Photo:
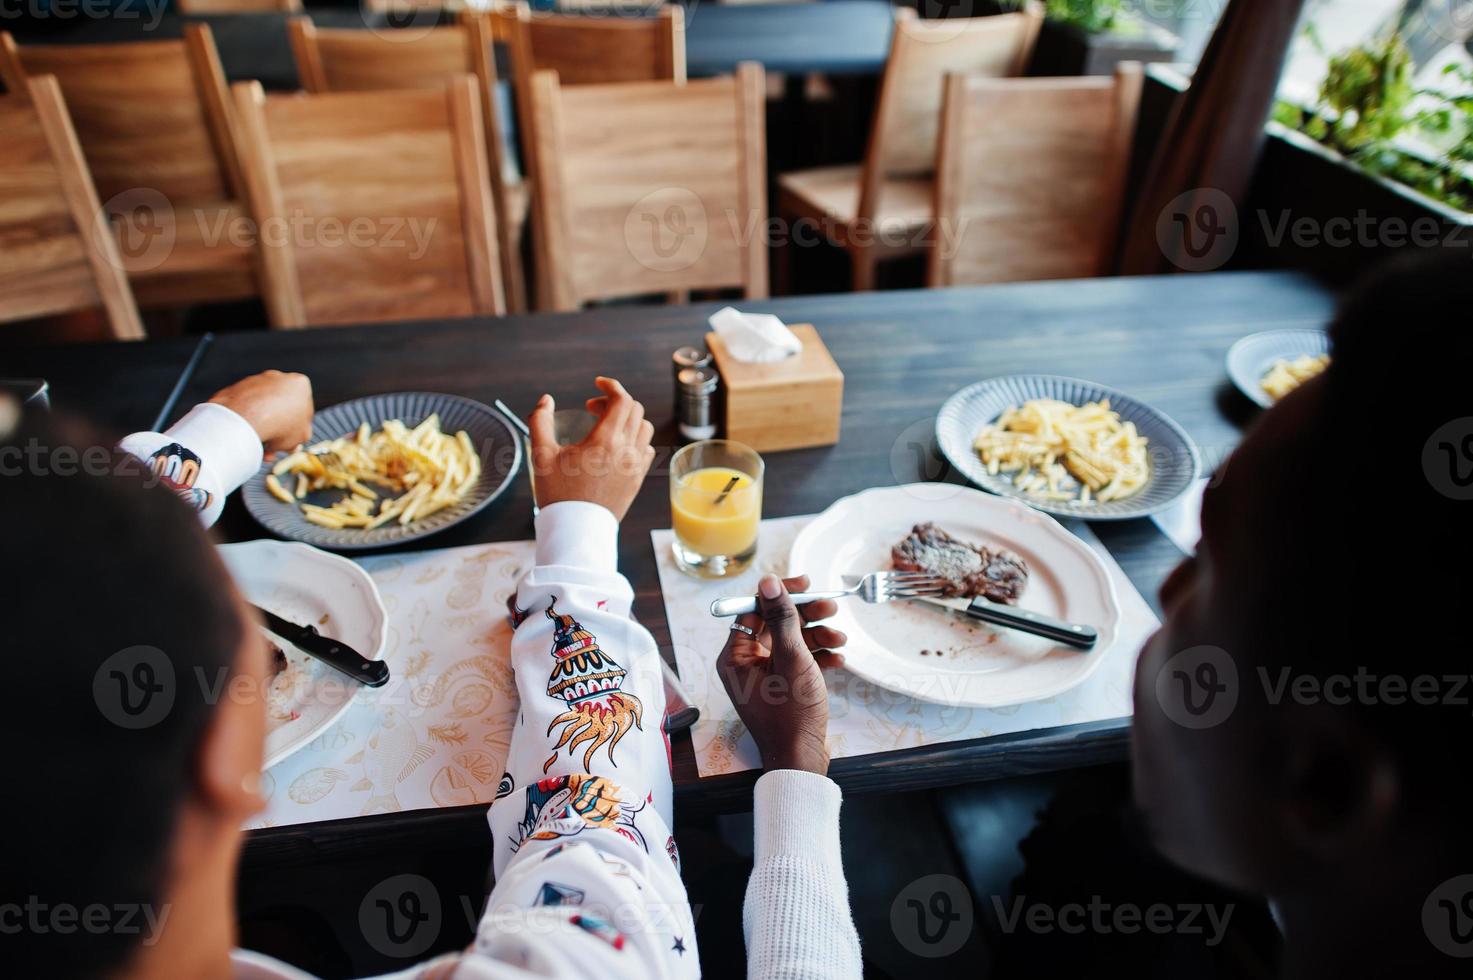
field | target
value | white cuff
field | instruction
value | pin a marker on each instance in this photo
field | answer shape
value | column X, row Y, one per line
column 578, row 534
column 229, row 445
column 796, row 813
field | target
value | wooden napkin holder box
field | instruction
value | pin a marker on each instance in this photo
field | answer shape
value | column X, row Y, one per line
column 794, row 403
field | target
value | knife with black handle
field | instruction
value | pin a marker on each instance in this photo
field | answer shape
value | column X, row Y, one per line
column 1069, row 634
column 338, row 655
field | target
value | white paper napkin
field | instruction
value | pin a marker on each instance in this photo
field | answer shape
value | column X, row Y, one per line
column 1182, row 521
column 756, row 337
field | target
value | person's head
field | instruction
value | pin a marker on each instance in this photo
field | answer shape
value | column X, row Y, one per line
column 129, row 764
column 1298, row 716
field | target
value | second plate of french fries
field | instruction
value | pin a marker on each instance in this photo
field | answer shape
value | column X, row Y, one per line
column 1067, row 447
column 386, row 469
column 1267, row 366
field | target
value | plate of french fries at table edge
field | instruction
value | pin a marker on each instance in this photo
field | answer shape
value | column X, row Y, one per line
column 1067, row 447
column 386, row 469
column 1267, row 366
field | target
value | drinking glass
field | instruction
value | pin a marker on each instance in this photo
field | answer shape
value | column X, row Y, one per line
column 715, row 507
column 569, row 426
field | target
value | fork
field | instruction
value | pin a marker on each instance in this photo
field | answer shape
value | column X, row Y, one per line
column 875, row 587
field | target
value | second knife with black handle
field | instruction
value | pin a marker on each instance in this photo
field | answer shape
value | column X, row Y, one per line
column 334, row 653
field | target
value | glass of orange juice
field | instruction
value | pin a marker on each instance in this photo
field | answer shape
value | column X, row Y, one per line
column 715, row 506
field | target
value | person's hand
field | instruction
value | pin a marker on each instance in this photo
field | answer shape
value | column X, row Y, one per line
column 775, row 679
column 608, row 467
column 276, row 404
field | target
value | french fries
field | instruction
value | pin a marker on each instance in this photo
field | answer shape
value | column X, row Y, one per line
column 1063, row 452
column 423, row 470
column 1286, row 375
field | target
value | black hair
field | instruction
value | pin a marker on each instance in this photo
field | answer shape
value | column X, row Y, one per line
column 109, row 581
column 1367, row 525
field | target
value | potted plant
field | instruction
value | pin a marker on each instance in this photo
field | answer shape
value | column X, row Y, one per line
column 1089, row 37
column 1340, row 188
column 1371, row 115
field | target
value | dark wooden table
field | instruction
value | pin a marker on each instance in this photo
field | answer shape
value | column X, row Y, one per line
column 841, row 37
column 124, row 387
column 902, row 353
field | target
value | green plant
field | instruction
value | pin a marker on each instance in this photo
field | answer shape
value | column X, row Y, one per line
column 1368, row 102
column 1094, row 16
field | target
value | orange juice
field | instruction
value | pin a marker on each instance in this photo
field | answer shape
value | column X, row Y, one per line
column 709, row 527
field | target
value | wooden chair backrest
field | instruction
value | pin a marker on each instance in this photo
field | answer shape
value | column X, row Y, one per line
column 57, row 253
column 1031, row 179
column 239, row 6
column 350, row 60
column 651, row 187
column 902, row 140
column 592, row 50
column 346, row 60
column 149, row 114
column 582, row 50
column 407, row 168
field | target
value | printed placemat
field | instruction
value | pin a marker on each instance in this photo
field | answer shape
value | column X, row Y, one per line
column 437, row 734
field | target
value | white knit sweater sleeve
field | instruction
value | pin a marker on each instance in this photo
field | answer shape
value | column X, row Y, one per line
column 203, row 457
column 796, row 917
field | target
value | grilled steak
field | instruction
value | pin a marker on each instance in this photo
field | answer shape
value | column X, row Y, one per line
column 278, row 660
column 968, row 570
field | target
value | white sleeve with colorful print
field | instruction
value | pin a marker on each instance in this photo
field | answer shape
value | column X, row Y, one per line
column 587, row 877
column 203, row 457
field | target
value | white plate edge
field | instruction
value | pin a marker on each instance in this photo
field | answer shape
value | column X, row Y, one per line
column 376, row 604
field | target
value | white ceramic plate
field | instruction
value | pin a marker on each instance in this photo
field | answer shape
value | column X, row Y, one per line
column 965, row 663
column 1255, row 355
column 305, row 585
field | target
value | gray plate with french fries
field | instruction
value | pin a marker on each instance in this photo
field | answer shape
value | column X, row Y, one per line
column 1267, row 366
column 386, row 469
column 1068, row 447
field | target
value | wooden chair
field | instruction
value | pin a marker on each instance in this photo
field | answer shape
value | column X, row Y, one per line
column 56, row 252
column 583, row 50
column 407, row 169
column 1031, row 179
column 591, row 50
column 876, row 210
column 155, row 125
column 239, row 6
column 344, row 60
column 651, row 187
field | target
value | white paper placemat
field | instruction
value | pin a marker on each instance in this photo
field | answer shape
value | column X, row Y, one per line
column 437, row 734
column 863, row 718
